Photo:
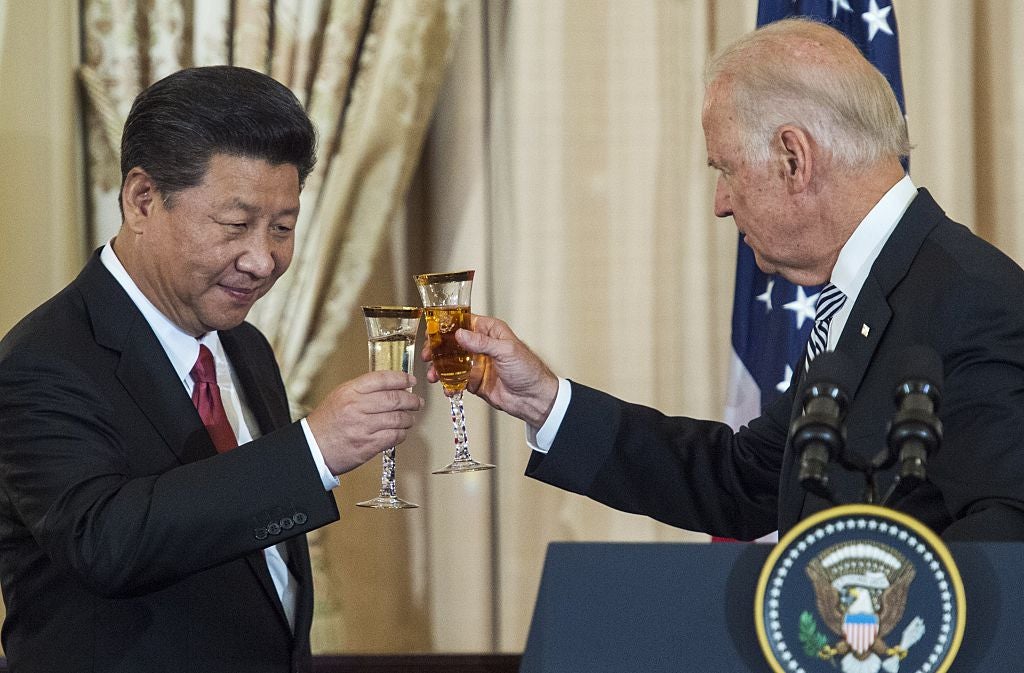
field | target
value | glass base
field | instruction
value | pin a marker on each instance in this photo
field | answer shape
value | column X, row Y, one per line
column 463, row 465
column 386, row 503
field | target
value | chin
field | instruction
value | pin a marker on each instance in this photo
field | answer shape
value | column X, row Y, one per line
column 764, row 266
column 225, row 320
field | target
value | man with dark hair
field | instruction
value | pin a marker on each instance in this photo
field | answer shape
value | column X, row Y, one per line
column 141, row 530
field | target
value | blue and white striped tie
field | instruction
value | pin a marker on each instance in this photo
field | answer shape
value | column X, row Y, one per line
column 830, row 300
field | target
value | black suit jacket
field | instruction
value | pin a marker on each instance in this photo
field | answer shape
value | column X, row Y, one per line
column 126, row 542
column 934, row 283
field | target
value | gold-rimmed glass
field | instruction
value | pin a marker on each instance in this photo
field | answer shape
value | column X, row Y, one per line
column 391, row 341
column 446, row 308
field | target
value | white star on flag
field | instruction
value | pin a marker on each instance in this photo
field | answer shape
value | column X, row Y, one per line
column 836, row 4
column 787, row 378
column 877, row 20
column 766, row 296
column 803, row 306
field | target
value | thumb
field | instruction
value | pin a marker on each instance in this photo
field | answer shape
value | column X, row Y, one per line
column 475, row 342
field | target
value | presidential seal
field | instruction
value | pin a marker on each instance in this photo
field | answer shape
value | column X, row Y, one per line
column 860, row 589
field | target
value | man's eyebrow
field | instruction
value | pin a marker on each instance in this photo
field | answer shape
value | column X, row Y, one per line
column 252, row 209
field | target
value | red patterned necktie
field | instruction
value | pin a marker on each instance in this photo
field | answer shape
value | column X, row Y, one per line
column 206, row 397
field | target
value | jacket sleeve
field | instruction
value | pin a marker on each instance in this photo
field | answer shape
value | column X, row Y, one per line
column 689, row 473
column 129, row 519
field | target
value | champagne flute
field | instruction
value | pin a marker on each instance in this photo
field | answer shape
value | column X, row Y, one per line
column 446, row 308
column 391, row 340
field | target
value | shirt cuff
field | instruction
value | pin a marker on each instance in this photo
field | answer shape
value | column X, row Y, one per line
column 329, row 480
column 542, row 439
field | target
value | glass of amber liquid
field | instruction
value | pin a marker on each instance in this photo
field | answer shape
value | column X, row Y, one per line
column 391, row 340
column 446, row 308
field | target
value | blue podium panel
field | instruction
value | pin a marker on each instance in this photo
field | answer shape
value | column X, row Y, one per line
column 654, row 608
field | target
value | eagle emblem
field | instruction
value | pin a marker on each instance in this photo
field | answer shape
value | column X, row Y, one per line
column 860, row 589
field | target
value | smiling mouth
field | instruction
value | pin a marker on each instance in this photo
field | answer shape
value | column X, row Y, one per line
column 241, row 293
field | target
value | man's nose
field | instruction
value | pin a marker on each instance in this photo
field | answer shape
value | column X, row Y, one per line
column 723, row 205
column 258, row 257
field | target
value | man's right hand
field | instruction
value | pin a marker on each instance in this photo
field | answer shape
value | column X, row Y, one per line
column 506, row 373
column 362, row 417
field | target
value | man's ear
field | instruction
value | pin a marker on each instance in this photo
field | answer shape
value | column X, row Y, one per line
column 138, row 199
column 796, row 156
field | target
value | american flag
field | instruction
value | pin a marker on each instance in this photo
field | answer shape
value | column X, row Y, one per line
column 771, row 317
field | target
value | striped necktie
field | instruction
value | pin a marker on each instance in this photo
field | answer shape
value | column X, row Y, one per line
column 830, row 300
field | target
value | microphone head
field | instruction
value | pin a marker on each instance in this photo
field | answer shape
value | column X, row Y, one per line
column 830, row 375
column 920, row 371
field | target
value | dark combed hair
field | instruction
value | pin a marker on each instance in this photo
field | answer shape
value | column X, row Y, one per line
column 178, row 123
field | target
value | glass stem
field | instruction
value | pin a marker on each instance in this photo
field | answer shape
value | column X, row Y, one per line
column 459, row 427
column 387, row 475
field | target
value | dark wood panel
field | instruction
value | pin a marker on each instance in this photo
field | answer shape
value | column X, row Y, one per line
column 406, row 663
column 418, row 663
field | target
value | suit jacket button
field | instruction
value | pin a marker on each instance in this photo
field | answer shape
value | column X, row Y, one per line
column 260, row 533
column 274, row 529
column 286, row 522
column 299, row 518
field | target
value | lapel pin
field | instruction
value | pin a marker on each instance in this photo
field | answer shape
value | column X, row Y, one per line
column 865, row 330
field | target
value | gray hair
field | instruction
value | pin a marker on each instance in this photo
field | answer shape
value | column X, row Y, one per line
column 804, row 73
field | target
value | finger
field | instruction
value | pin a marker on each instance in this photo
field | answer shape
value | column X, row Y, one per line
column 393, row 400
column 385, row 439
column 373, row 382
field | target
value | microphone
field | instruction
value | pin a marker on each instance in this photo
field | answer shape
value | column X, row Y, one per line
column 915, row 430
column 818, row 435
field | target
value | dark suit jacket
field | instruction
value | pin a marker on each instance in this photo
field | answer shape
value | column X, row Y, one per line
column 126, row 542
column 934, row 283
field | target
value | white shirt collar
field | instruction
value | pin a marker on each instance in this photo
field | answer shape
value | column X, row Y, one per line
column 860, row 251
column 181, row 347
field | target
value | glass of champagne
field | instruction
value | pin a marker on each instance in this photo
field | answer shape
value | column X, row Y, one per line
column 391, row 339
column 446, row 308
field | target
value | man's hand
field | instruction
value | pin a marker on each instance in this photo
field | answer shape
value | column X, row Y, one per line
column 362, row 417
column 506, row 374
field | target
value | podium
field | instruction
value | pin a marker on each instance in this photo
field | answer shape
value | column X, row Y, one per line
column 679, row 607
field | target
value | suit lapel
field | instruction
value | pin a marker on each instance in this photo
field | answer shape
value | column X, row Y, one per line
column 268, row 407
column 143, row 368
column 871, row 313
column 148, row 376
column 866, row 326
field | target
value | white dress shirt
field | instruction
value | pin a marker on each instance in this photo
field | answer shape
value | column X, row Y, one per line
column 183, row 350
column 856, row 257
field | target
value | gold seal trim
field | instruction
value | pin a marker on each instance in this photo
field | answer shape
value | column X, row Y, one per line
column 843, row 511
